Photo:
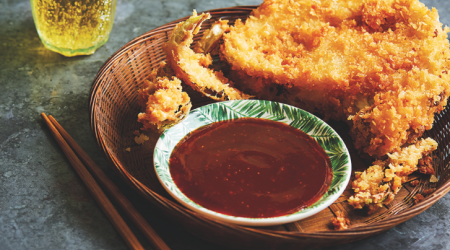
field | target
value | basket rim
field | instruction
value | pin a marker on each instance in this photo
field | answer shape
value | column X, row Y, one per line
column 361, row 231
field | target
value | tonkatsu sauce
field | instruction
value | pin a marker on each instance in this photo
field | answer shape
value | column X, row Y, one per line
column 251, row 167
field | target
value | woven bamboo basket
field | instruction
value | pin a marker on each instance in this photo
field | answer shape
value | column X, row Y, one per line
column 113, row 112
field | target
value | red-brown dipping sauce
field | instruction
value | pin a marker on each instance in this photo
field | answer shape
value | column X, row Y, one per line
column 251, row 167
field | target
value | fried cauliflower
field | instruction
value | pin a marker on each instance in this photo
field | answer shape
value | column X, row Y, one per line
column 380, row 183
column 163, row 101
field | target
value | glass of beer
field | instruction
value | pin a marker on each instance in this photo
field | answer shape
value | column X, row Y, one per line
column 73, row 27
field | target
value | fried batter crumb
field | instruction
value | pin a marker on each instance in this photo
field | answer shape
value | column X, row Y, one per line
column 340, row 221
column 426, row 165
column 433, row 179
column 418, row 198
column 428, row 191
column 414, row 183
column 141, row 139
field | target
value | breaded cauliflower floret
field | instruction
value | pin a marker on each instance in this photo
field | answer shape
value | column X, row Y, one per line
column 163, row 100
column 379, row 183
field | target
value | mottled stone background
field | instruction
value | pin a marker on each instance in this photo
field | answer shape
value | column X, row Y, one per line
column 43, row 203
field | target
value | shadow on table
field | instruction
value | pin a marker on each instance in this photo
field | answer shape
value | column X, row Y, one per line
column 20, row 46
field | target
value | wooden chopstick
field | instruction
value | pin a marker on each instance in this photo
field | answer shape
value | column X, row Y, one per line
column 95, row 190
column 112, row 190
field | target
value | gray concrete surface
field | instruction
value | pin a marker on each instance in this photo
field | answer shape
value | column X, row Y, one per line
column 43, row 203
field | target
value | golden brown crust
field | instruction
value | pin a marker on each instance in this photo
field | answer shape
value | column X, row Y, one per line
column 378, row 185
column 192, row 67
column 163, row 101
column 340, row 221
column 383, row 64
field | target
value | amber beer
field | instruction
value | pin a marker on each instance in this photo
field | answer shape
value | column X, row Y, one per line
column 73, row 27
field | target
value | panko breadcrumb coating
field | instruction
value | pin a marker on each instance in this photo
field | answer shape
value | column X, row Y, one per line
column 192, row 67
column 163, row 100
column 380, row 183
column 381, row 65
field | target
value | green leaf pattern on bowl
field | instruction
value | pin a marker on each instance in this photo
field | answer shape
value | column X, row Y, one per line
column 295, row 117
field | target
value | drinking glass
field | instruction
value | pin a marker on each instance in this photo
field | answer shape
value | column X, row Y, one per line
column 73, row 27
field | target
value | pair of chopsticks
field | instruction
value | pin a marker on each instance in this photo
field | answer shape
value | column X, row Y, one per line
column 79, row 159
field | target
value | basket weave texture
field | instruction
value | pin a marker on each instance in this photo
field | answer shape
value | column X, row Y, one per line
column 113, row 112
